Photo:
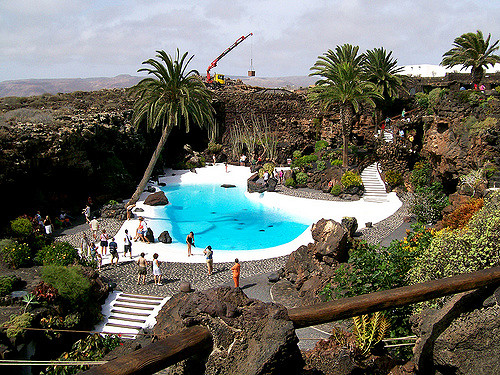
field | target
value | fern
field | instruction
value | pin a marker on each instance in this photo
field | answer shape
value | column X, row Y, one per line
column 369, row 331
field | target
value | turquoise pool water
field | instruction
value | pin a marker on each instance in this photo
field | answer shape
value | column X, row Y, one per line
column 225, row 219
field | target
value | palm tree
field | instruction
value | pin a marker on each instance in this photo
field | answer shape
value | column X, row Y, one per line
column 381, row 69
column 471, row 50
column 173, row 95
column 342, row 84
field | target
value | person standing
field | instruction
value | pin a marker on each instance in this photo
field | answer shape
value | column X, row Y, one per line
column 142, row 264
column 236, row 273
column 86, row 212
column 104, row 242
column 94, row 226
column 113, row 250
column 127, row 244
column 48, row 225
column 208, row 257
column 190, row 242
column 156, row 270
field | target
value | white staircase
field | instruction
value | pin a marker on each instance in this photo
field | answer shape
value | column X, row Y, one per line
column 127, row 314
column 388, row 136
column 374, row 186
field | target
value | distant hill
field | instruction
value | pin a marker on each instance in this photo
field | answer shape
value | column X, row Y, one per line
column 30, row 87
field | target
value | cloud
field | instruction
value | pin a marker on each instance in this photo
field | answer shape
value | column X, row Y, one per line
column 71, row 38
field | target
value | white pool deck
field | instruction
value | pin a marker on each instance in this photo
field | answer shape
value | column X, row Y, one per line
column 308, row 210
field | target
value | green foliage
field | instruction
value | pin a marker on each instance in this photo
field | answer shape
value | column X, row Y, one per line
column 15, row 254
column 421, row 174
column 453, row 252
column 92, row 348
column 336, row 163
column 320, row 165
column 16, row 324
column 214, row 148
column 301, row 178
column 269, row 167
column 304, row 161
column 29, row 299
column 70, row 283
column 393, row 178
column 60, row 253
column 21, row 227
column 428, row 202
column 7, row 284
column 296, row 154
column 422, row 99
column 112, row 202
column 350, row 179
column 372, row 268
column 479, row 127
column 489, row 170
column 320, row 145
column 290, row 182
column 434, row 96
column 497, row 89
column 336, row 190
column 369, row 330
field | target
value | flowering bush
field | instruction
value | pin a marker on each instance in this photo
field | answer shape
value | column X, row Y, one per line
column 45, row 292
column 60, row 253
column 15, row 254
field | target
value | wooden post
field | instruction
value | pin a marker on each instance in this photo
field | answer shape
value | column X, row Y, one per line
column 367, row 303
column 159, row 354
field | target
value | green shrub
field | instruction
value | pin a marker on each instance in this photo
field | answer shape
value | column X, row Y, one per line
column 269, row 167
column 393, row 178
column 336, row 190
column 336, row 163
column 301, row 178
column 463, row 96
column 92, row 348
column 290, row 182
column 422, row 99
column 320, row 145
column 434, row 97
column 476, row 98
column 320, row 165
column 353, row 149
column 428, row 202
column 350, row 179
column 70, row 283
column 480, row 127
column 112, row 202
column 16, row 324
column 16, row 255
column 214, row 148
column 296, row 154
column 497, row 89
column 453, row 252
column 21, row 227
column 421, row 175
column 60, row 253
column 7, row 284
column 304, row 161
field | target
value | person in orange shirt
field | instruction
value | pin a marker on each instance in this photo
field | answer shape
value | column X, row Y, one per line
column 236, row 273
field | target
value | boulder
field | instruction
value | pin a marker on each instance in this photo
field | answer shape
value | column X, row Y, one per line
column 273, row 277
column 156, row 199
column 331, row 239
column 117, row 211
column 249, row 336
column 164, row 237
column 227, row 186
column 350, row 224
column 254, row 185
column 150, row 236
column 271, row 184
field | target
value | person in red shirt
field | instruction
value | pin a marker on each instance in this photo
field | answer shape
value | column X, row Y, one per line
column 236, row 273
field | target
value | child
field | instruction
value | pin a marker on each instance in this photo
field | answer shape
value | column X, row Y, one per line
column 236, row 273
column 156, row 270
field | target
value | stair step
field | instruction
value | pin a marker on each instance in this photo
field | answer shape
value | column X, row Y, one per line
column 133, row 307
column 127, row 319
column 142, row 296
column 138, row 301
column 129, row 312
column 123, row 326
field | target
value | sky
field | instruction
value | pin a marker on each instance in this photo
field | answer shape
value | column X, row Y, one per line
column 105, row 38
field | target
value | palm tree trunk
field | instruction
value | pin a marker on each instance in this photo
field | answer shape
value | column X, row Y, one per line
column 345, row 122
column 149, row 170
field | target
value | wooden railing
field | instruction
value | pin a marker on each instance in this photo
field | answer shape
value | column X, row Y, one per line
column 180, row 346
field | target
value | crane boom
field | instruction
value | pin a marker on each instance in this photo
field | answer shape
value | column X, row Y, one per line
column 213, row 64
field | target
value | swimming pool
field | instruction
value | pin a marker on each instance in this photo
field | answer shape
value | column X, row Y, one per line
column 225, row 218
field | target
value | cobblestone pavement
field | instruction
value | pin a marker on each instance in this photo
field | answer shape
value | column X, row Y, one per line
column 125, row 273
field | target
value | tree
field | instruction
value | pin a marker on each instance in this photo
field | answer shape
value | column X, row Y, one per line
column 381, row 69
column 472, row 51
column 342, row 84
column 173, row 95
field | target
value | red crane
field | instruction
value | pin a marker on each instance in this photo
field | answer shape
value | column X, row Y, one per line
column 229, row 49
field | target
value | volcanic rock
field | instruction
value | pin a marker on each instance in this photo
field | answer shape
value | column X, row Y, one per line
column 164, row 237
column 156, row 199
column 331, row 239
